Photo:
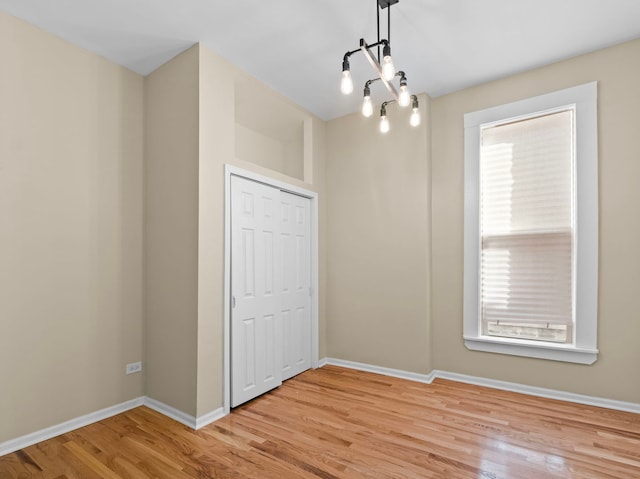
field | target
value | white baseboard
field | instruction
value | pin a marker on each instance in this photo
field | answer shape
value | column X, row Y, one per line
column 169, row 411
column 182, row 417
column 491, row 383
column 396, row 373
column 542, row 392
column 67, row 426
column 209, row 418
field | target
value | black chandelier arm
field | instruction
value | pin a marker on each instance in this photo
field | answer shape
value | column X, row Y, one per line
column 384, row 104
column 367, row 90
column 383, row 42
column 401, row 74
column 369, row 82
column 346, row 56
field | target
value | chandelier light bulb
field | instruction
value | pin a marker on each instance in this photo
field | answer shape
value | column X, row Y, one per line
column 388, row 70
column 384, row 124
column 414, row 120
column 384, row 121
column 367, row 106
column 404, row 97
column 346, row 86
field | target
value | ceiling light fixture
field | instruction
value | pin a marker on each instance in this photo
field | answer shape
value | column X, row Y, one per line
column 386, row 73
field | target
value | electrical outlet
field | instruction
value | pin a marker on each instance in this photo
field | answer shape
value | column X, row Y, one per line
column 134, row 367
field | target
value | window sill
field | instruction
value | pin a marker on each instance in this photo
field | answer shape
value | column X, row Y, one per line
column 532, row 349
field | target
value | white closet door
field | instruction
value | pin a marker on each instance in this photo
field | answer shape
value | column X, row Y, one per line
column 256, row 329
column 295, row 291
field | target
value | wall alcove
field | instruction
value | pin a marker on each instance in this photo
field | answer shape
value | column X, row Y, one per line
column 269, row 132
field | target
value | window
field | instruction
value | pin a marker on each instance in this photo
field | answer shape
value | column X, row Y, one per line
column 531, row 223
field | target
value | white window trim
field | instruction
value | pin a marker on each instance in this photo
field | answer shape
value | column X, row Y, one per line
column 584, row 350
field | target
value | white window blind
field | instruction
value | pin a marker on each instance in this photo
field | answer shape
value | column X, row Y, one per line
column 526, row 224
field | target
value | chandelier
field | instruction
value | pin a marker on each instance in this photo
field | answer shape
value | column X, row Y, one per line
column 386, row 74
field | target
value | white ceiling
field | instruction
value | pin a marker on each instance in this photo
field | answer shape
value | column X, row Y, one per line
column 296, row 46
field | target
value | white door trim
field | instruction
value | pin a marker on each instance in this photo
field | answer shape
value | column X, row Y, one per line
column 230, row 171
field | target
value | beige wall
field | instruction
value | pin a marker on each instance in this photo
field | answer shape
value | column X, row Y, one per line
column 269, row 129
column 216, row 133
column 378, row 190
column 190, row 136
column 171, row 231
column 70, row 230
column 614, row 375
column 286, row 157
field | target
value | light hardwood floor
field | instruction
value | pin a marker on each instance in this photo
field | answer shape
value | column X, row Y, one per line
column 338, row 423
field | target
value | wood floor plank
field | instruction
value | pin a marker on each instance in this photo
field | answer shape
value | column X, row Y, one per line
column 335, row 423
